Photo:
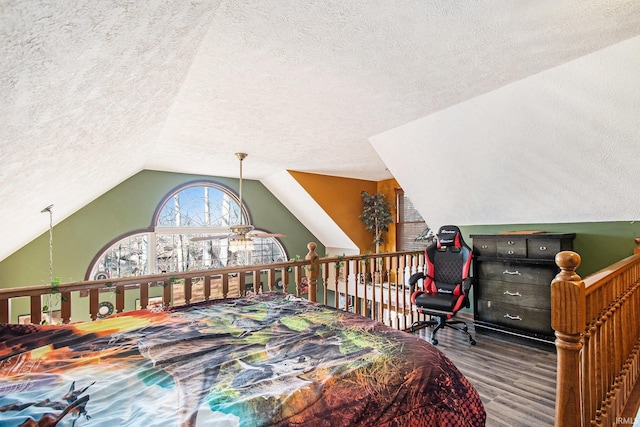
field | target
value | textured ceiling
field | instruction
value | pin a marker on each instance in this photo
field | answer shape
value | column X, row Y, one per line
column 93, row 92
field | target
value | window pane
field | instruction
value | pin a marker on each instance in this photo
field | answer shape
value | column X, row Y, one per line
column 409, row 234
column 412, row 231
column 199, row 206
column 266, row 250
column 127, row 257
column 406, row 211
column 176, row 252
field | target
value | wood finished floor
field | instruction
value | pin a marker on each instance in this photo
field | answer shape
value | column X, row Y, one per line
column 516, row 382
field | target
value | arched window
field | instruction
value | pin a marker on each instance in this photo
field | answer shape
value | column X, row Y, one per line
column 202, row 210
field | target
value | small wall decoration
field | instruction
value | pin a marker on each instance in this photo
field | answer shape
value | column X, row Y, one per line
column 105, row 309
column 101, row 275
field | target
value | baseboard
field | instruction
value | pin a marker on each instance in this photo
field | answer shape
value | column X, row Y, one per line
column 465, row 315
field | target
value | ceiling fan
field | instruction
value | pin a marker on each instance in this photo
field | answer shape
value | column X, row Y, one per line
column 239, row 235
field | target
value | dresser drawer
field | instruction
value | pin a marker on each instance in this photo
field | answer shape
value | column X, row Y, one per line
column 516, row 273
column 520, row 294
column 515, row 317
column 484, row 246
column 543, row 248
column 515, row 247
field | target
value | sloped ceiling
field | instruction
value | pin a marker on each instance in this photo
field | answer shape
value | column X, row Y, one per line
column 537, row 97
column 560, row 146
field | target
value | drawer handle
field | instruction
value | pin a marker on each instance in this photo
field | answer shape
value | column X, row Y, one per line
column 510, row 317
column 510, row 252
column 485, row 246
column 511, row 243
column 512, row 294
column 513, row 273
column 543, row 248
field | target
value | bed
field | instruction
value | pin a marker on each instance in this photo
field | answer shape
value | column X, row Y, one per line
column 264, row 360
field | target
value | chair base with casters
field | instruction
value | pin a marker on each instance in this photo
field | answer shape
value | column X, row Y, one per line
column 442, row 308
column 440, row 322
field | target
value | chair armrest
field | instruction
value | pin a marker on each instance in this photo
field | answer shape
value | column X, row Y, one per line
column 466, row 284
column 414, row 279
column 466, row 287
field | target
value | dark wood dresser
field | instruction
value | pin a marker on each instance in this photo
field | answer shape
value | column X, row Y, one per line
column 512, row 275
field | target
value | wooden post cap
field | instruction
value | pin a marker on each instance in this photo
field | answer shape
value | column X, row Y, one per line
column 312, row 247
column 568, row 261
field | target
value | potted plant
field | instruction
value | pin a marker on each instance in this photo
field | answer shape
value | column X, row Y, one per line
column 376, row 216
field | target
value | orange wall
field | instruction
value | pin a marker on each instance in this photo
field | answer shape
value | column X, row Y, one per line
column 340, row 199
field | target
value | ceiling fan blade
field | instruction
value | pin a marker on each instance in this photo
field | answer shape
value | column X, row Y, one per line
column 204, row 238
column 237, row 236
column 258, row 234
column 218, row 229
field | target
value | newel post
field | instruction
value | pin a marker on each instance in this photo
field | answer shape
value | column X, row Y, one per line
column 568, row 319
column 312, row 271
column 636, row 249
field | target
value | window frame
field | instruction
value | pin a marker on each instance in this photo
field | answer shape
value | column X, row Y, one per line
column 154, row 231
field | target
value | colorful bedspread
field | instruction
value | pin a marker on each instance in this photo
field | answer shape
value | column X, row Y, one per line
column 265, row 360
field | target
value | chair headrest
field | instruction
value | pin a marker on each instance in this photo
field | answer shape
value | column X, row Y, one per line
column 449, row 235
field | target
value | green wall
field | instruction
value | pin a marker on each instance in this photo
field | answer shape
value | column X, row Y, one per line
column 127, row 208
column 599, row 243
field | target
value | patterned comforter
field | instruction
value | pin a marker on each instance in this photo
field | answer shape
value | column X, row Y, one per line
column 264, row 360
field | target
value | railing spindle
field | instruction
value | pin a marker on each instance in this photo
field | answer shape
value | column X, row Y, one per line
column 188, row 284
column 94, row 299
column 167, row 292
column 4, row 310
column 36, row 309
column 65, row 306
column 119, row 298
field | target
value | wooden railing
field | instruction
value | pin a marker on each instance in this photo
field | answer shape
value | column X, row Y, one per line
column 597, row 324
column 374, row 285
column 371, row 285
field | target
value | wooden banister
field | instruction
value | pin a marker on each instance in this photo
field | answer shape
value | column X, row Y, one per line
column 597, row 340
column 368, row 284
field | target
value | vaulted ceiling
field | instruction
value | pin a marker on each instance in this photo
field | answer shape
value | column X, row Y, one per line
column 485, row 111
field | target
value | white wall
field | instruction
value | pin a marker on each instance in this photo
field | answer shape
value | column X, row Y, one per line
column 560, row 146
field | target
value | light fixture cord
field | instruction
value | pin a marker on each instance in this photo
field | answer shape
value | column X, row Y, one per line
column 50, row 305
column 50, row 247
column 240, row 191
